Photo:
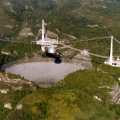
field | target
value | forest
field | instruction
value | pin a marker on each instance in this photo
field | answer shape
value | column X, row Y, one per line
column 73, row 97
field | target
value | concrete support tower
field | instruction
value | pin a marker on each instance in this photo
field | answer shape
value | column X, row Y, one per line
column 43, row 31
column 43, row 36
column 111, row 51
column 47, row 42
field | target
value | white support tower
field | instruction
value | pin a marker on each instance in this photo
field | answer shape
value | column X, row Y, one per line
column 111, row 51
column 43, row 31
column 43, row 36
column 47, row 42
column 111, row 61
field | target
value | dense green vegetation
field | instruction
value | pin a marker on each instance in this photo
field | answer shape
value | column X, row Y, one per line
column 13, row 76
column 73, row 97
column 13, row 96
column 71, row 17
column 17, row 51
column 6, row 59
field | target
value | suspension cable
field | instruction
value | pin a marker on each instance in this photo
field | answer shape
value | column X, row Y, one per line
column 89, row 39
column 16, row 41
column 73, row 47
column 82, row 50
column 117, row 41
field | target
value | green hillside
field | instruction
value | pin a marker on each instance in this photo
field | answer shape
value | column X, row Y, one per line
column 83, row 95
column 72, row 98
column 78, row 18
column 71, row 17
